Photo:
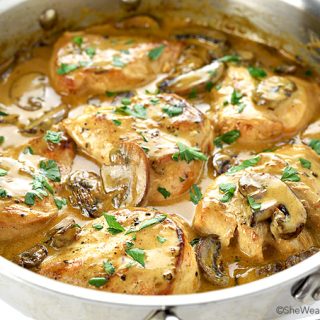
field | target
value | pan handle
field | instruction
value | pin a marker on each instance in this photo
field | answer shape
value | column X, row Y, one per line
column 166, row 314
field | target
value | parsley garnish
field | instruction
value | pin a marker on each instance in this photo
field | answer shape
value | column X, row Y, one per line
column 228, row 189
column 166, row 194
column 148, row 223
column 230, row 58
column 116, row 122
column 194, row 241
column 126, row 101
column 117, row 62
column 315, row 145
column 97, row 281
column 155, row 53
column 53, row 136
column 28, row 150
column 253, row 204
column 2, row 113
column 114, row 226
column 245, row 164
column 97, row 226
column 290, row 174
column 108, row 268
column 137, row 255
column 30, row 198
column 91, row 52
column 3, row 193
column 305, row 163
column 138, row 111
column 77, row 40
column 66, row 68
column 51, row 170
column 236, row 97
column 1, row 139
column 60, row 202
column 188, row 153
column 257, row 73
column 209, row 85
column 195, row 194
column 228, row 137
column 173, row 111
column 193, row 94
column 161, row 239
column 3, row 172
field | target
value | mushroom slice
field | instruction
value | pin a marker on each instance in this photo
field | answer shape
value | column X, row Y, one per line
column 126, row 176
column 296, row 258
column 272, row 91
column 210, row 261
column 86, row 192
column 221, row 163
column 33, row 257
column 195, row 80
column 63, row 233
column 277, row 202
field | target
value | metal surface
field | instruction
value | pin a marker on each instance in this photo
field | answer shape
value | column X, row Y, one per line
column 43, row 298
column 307, row 290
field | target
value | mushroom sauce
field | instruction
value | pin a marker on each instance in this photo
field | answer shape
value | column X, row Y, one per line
column 172, row 117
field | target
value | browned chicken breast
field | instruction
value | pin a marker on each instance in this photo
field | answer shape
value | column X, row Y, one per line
column 271, row 199
column 135, row 251
column 173, row 134
column 267, row 110
column 92, row 64
column 30, row 177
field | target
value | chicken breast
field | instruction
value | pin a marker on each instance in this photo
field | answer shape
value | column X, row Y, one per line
column 30, row 177
column 174, row 135
column 134, row 251
column 265, row 111
column 88, row 64
column 271, row 199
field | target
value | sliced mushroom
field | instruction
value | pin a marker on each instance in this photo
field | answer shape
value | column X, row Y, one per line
column 86, row 192
column 208, row 252
column 270, row 269
column 194, row 80
column 138, row 22
column 285, row 69
column 272, row 91
column 297, row 258
column 221, row 163
column 33, row 257
column 277, row 201
column 63, row 233
column 126, row 177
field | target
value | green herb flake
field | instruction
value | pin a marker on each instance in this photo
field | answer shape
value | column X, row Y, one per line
column 230, row 58
column 194, row 242
column 241, row 107
column 126, row 101
column 51, row 170
column 116, row 122
column 109, row 268
column 53, row 136
column 138, row 111
column 3, row 114
column 305, row 163
column 114, row 226
column 166, row 194
column 3, row 193
column 28, row 150
column 98, row 281
column 195, row 194
column 315, row 145
column 173, row 111
column 182, row 179
column 308, row 73
column 97, row 226
column 257, row 73
column 255, row 206
column 236, row 97
column 245, row 164
column 150, row 222
column 290, row 174
column 77, row 40
column 30, row 198
column 193, row 94
column 137, row 255
column 3, row 172
column 209, row 85
column 110, row 94
column 60, row 202
column 161, row 239
column 228, row 138
column 66, row 68
column 154, row 100
column 91, row 52
column 188, row 153
column 228, row 189
column 156, row 52
column 117, row 62
column 2, row 140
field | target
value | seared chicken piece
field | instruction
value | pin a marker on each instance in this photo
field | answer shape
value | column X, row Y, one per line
column 173, row 134
column 29, row 179
column 267, row 111
column 136, row 251
column 88, row 64
column 272, row 199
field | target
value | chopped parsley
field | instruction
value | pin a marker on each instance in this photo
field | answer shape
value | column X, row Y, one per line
column 245, row 164
column 230, row 58
column 156, row 52
column 228, row 138
column 126, row 101
column 91, row 52
column 138, row 111
column 110, row 94
column 28, row 150
column 137, row 255
column 195, row 194
column 53, row 136
column 97, row 226
column 236, row 97
column 173, row 111
column 60, row 202
column 30, row 198
column 305, row 163
column 117, row 62
column 161, row 239
column 66, row 68
column 193, row 94
column 77, row 40
column 3, row 172
column 114, row 226
column 228, row 189
column 3, row 114
column 1, row 139
column 3, row 193
column 51, row 170
column 148, row 223
column 116, row 122
column 108, row 268
column 188, row 154
column 315, row 145
column 290, row 174
column 166, row 194
column 209, row 85
column 257, row 73
column 98, row 281
column 255, row 206
column 194, row 241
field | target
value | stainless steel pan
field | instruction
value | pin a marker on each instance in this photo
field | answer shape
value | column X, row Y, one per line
column 298, row 24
